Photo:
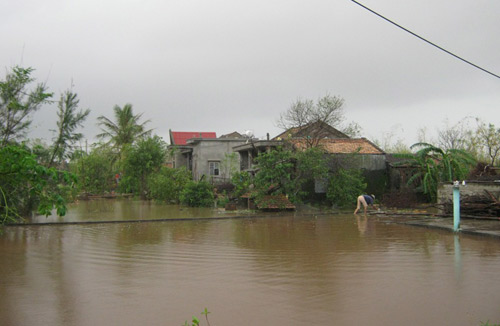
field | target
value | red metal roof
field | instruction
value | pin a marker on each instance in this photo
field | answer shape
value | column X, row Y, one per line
column 180, row 137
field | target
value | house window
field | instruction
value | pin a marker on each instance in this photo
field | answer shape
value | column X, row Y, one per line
column 214, row 168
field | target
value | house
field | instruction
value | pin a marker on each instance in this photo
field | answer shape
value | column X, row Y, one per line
column 312, row 132
column 205, row 155
column 332, row 141
column 344, row 151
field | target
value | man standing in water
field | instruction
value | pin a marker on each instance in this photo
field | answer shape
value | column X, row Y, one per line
column 366, row 200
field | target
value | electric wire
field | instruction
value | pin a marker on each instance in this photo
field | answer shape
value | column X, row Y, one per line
column 425, row 40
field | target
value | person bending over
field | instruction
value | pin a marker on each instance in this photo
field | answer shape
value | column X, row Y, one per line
column 365, row 200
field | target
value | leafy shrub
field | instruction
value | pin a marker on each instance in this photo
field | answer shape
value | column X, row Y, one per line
column 345, row 185
column 26, row 185
column 167, row 184
column 94, row 171
column 198, row 194
column 143, row 159
column 287, row 172
column 241, row 181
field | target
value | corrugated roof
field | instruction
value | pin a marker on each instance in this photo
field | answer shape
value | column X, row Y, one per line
column 181, row 137
column 343, row 146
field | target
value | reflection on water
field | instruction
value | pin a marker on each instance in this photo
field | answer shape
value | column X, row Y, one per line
column 328, row 270
column 458, row 257
column 128, row 209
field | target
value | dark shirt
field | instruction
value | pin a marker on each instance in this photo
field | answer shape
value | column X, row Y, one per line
column 368, row 199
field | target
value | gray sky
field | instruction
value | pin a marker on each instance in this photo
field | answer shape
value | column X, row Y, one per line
column 223, row 66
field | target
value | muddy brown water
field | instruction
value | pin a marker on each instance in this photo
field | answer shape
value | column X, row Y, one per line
column 330, row 269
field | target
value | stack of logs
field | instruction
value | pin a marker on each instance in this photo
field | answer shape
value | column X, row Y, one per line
column 478, row 205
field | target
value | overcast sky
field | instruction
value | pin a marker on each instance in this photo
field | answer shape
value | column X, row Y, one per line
column 224, row 66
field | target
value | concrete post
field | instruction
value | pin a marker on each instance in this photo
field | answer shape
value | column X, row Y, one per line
column 456, row 206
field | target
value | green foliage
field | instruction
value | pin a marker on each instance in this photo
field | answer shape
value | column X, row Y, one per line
column 285, row 172
column 68, row 121
column 276, row 173
column 25, row 185
column 196, row 322
column 487, row 323
column 95, row 171
column 222, row 199
column 241, row 181
column 311, row 164
column 166, row 184
column 344, row 187
column 229, row 164
column 433, row 165
column 489, row 138
column 125, row 130
column 17, row 103
column 143, row 159
column 41, row 151
column 198, row 194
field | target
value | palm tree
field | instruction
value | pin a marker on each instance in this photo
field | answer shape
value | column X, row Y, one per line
column 126, row 130
column 433, row 165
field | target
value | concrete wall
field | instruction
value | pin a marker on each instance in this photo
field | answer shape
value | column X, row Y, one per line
column 373, row 165
column 369, row 162
column 208, row 150
column 180, row 160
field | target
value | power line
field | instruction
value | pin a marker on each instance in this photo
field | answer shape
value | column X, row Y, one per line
column 427, row 41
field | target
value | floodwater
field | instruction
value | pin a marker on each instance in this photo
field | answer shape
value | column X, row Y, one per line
column 276, row 270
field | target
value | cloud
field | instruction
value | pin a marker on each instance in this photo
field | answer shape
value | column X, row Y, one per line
column 224, row 65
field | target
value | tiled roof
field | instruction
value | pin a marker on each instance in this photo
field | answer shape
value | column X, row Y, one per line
column 314, row 129
column 180, row 137
column 234, row 134
column 343, row 146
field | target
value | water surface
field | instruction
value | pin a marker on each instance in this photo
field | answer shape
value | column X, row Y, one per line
column 282, row 270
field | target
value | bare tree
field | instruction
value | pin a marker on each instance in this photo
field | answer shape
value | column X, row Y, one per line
column 454, row 137
column 314, row 121
column 489, row 138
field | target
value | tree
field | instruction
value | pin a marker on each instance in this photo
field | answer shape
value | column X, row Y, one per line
column 242, row 182
column 489, row 138
column 94, row 170
column 391, row 143
column 167, row 184
column 433, row 165
column 276, row 172
column 283, row 171
column 344, row 186
column 318, row 118
column 229, row 165
column 126, row 130
column 26, row 185
column 454, row 137
column 198, row 194
column 352, row 129
column 67, row 123
column 17, row 103
column 143, row 159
